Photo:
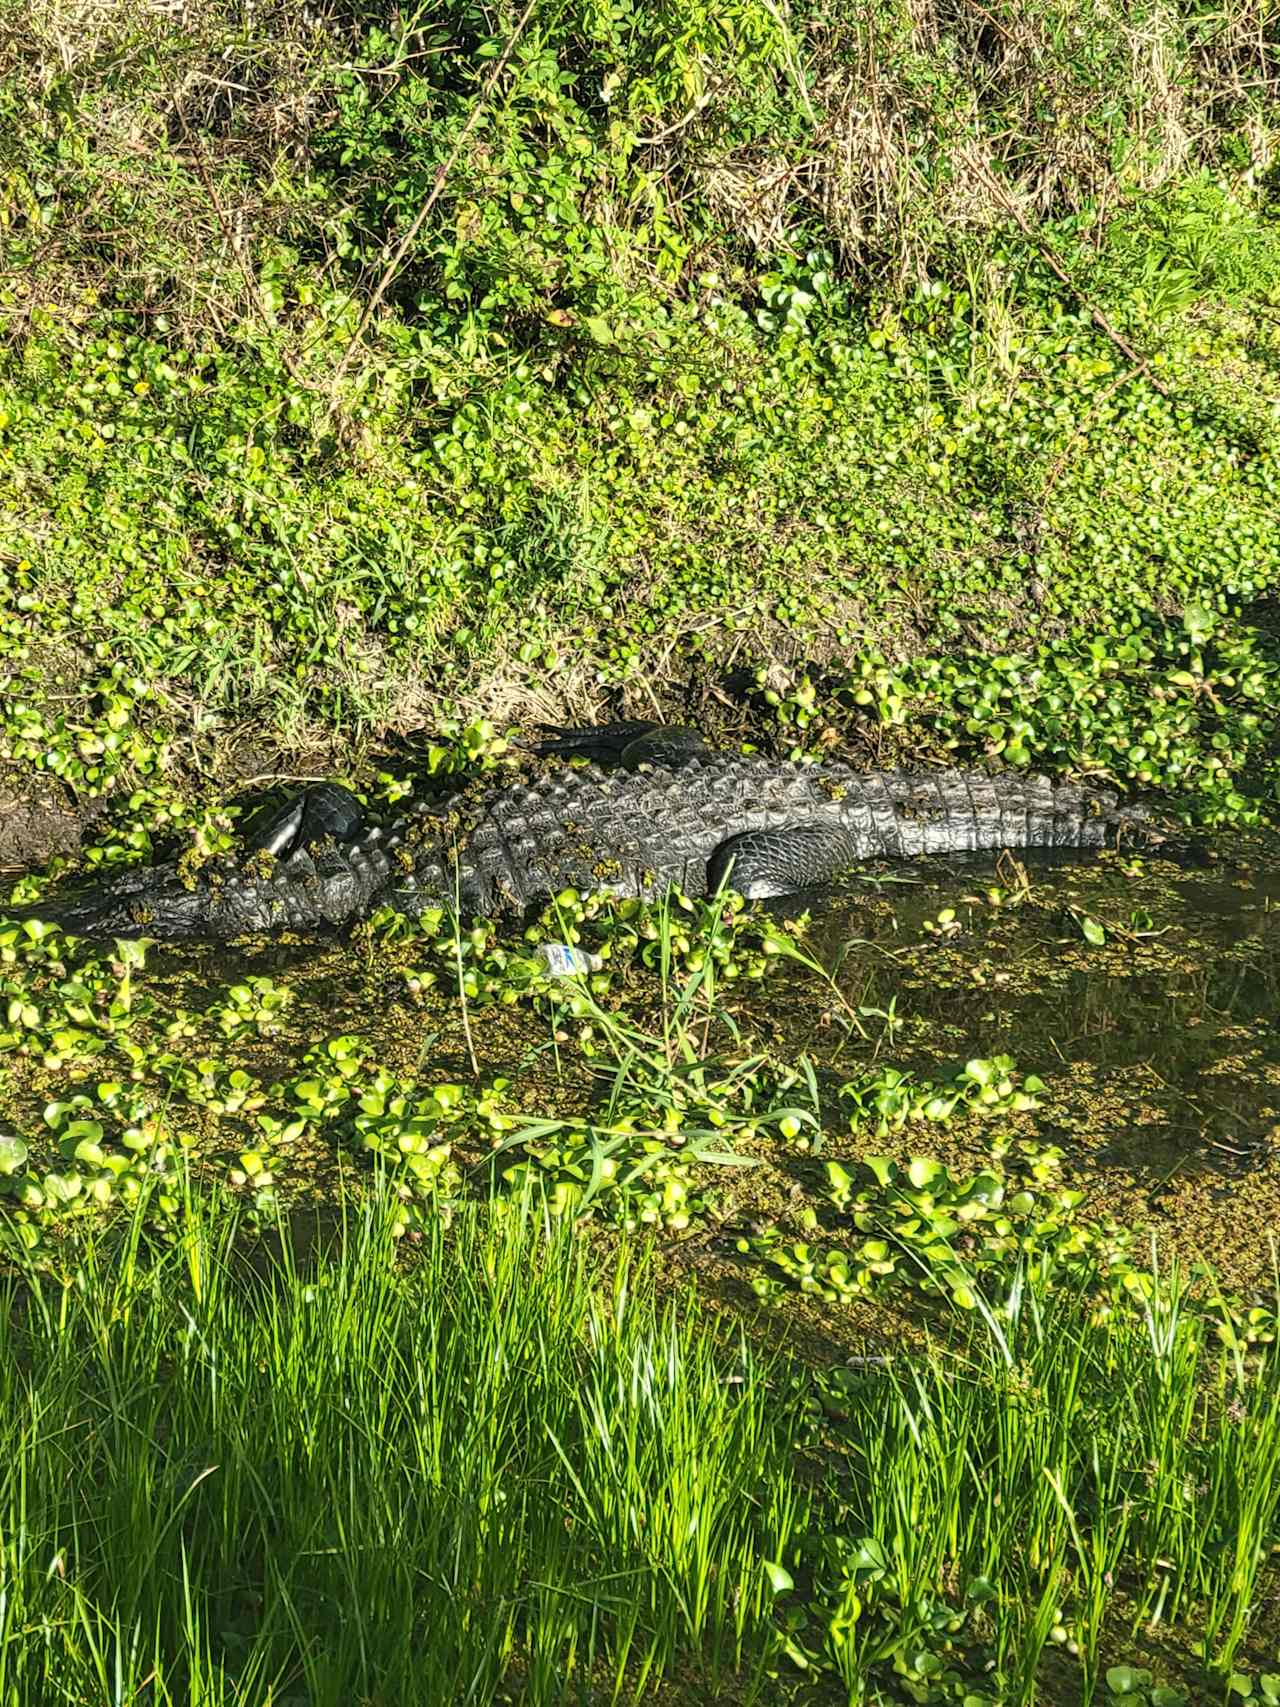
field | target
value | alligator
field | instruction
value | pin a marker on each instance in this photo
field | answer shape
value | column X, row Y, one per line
column 652, row 806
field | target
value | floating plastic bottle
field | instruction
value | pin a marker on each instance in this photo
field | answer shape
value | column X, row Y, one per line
column 559, row 960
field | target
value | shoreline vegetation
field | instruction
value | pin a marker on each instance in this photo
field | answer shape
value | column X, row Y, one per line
column 873, row 1304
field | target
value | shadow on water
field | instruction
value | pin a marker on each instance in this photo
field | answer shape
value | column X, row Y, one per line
column 1157, row 1043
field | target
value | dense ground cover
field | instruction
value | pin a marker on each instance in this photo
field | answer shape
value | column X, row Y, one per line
column 695, row 335
column 946, row 1404
column 902, row 379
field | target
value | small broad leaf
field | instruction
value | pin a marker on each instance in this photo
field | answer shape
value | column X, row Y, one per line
column 13, row 1153
column 779, row 1577
column 1092, row 931
column 1197, row 622
column 76, row 1130
column 921, row 1171
column 1126, row 1680
column 869, row 1555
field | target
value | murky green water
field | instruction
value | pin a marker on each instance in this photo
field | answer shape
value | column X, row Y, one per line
column 1144, row 994
column 1157, row 1038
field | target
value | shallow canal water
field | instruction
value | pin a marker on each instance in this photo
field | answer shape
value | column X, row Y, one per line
column 1143, row 992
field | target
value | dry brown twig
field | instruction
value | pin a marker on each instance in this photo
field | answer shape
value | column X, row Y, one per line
column 1046, row 250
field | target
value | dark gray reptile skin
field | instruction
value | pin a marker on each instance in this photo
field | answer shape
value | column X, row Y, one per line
column 629, row 831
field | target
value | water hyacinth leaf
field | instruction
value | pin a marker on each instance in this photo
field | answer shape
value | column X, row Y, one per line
column 925, row 1663
column 869, row 1557
column 778, row 1577
column 81, row 1129
column 13, row 1153
column 922, row 1171
column 942, row 1226
column 840, row 1180
column 54, row 1111
column 1198, row 623
column 1092, row 931
column 1127, row 1680
column 980, row 1071
column 63, row 1188
column 986, row 1188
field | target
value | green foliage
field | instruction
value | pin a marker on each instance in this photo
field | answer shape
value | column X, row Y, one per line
column 972, row 1242
column 288, row 1464
column 1060, row 1449
column 377, row 370
column 631, row 343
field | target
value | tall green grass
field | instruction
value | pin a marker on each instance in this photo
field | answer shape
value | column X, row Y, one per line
column 1052, row 1472
column 229, row 1484
column 501, row 1467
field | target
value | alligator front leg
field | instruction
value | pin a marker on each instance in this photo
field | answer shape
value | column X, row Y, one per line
column 627, row 744
column 326, row 809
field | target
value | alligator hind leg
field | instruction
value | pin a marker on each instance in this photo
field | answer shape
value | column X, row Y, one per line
column 327, row 809
column 764, row 863
column 627, row 744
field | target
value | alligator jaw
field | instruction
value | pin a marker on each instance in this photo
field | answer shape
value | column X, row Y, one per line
column 163, row 908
